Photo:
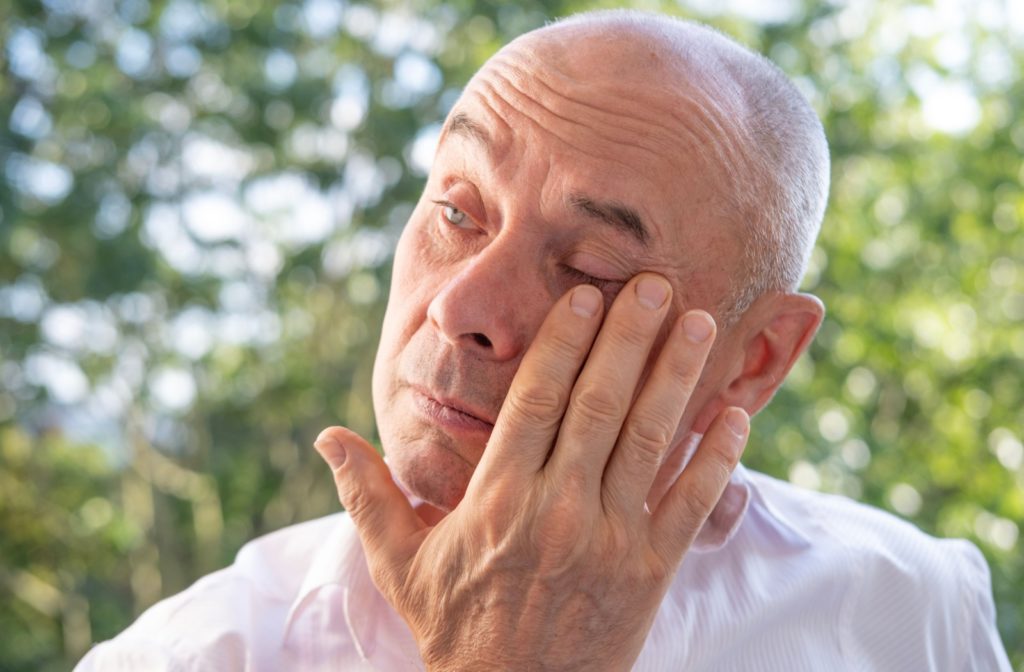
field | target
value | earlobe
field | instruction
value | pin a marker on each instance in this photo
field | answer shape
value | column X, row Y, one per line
column 784, row 328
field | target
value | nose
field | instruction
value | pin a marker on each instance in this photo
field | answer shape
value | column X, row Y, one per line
column 494, row 305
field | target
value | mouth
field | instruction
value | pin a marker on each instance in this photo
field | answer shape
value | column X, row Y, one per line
column 449, row 413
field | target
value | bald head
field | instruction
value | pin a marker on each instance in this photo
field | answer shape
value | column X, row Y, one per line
column 764, row 138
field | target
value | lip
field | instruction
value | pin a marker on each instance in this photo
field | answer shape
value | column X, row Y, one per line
column 450, row 413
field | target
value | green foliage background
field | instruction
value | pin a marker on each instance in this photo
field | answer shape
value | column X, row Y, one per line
column 177, row 322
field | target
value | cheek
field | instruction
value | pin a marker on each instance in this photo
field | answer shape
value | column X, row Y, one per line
column 425, row 255
column 418, row 274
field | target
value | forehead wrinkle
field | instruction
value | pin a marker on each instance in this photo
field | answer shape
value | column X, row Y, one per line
column 501, row 98
column 523, row 101
column 492, row 96
column 706, row 122
column 491, row 154
column 461, row 125
column 504, row 133
column 524, row 77
column 496, row 105
column 709, row 120
column 699, row 118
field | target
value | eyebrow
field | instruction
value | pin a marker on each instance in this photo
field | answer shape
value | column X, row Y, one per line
column 462, row 124
column 617, row 215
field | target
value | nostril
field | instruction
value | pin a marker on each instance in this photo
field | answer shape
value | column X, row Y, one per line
column 482, row 340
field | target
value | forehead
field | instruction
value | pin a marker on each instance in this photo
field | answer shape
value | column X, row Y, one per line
column 661, row 151
column 654, row 131
column 630, row 100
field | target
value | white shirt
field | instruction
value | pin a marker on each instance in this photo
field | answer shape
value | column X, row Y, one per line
column 779, row 579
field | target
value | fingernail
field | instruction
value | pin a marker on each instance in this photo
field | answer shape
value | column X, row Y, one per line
column 698, row 326
column 585, row 301
column 331, row 450
column 652, row 292
column 738, row 421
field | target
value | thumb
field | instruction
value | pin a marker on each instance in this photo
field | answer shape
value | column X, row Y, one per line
column 382, row 515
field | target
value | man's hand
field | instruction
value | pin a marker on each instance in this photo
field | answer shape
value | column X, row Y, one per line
column 552, row 560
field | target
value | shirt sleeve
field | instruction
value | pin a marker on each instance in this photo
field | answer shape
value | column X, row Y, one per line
column 125, row 656
column 127, row 653
column 985, row 650
column 209, row 627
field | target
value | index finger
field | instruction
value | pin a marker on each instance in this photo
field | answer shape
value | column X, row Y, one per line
column 530, row 417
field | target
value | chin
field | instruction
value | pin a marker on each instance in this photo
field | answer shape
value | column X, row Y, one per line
column 431, row 473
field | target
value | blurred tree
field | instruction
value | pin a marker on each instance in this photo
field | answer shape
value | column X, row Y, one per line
column 198, row 203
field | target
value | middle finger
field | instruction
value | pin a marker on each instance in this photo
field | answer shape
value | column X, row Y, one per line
column 603, row 393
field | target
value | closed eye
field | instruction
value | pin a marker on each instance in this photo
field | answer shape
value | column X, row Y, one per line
column 604, row 284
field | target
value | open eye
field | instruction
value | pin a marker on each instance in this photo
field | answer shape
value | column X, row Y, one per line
column 454, row 216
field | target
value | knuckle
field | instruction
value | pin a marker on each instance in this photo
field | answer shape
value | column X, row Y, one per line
column 697, row 506
column 686, row 369
column 560, row 535
column 356, row 500
column 648, row 438
column 722, row 461
column 358, row 495
column 631, row 335
column 562, row 346
column 660, row 574
column 729, row 460
column 574, row 481
column 536, row 401
column 554, row 547
column 597, row 405
column 700, row 501
column 619, row 543
column 384, row 575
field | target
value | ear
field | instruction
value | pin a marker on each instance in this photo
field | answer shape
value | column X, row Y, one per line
column 777, row 332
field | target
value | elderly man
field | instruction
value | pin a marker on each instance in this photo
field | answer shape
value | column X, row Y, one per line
column 595, row 291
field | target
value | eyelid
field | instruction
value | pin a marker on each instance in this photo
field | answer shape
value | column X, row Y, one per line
column 457, row 192
column 443, row 204
column 463, row 195
column 604, row 284
column 597, row 266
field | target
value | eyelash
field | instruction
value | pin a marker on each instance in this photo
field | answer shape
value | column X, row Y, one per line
column 601, row 283
column 604, row 284
column 445, row 205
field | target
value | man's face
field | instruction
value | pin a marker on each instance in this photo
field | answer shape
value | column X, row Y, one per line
column 553, row 170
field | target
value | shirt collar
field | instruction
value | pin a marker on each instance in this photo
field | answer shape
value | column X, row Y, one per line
column 338, row 594
column 339, row 561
